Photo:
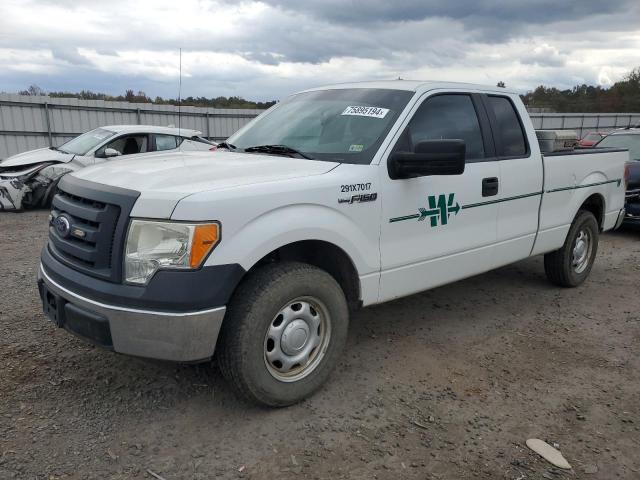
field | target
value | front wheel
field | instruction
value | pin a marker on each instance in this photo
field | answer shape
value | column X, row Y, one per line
column 47, row 198
column 283, row 334
column 570, row 265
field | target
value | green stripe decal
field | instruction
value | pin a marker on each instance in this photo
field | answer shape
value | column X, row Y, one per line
column 407, row 217
column 500, row 200
column 618, row 181
column 442, row 207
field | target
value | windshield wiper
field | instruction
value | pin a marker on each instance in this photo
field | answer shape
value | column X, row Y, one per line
column 278, row 150
column 226, row 145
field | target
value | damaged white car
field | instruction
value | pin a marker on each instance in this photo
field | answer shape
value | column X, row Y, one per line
column 28, row 180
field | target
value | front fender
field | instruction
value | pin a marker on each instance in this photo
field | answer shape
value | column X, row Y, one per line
column 288, row 224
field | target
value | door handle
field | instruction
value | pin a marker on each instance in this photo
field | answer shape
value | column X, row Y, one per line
column 490, row 186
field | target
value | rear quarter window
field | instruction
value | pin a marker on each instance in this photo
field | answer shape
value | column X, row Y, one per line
column 166, row 142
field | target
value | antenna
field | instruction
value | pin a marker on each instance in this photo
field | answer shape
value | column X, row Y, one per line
column 180, row 93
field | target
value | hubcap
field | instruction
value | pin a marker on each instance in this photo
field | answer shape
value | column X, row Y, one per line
column 581, row 251
column 294, row 337
column 297, row 339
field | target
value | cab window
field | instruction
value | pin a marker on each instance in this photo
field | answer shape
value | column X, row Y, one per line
column 511, row 139
column 449, row 116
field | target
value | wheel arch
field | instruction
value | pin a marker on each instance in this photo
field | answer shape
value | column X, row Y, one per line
column 595, row 203
column 324, row 255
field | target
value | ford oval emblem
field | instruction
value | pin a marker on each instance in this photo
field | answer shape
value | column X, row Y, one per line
column 62, row 226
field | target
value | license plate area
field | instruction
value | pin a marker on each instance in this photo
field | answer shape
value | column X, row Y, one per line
column 53, row 306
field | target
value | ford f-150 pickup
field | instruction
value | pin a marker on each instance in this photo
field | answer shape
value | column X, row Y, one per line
column 334, row 199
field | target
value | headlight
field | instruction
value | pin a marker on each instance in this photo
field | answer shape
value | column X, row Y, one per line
column 152, row 246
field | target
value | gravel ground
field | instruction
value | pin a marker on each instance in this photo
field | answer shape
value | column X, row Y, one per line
column 446, row 384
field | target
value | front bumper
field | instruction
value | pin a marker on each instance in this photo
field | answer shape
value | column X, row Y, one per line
column 176, row 336
column 632, row 219
column 632, row 207
column 12, row 190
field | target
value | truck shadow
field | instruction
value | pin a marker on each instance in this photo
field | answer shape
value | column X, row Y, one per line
column 473, row 302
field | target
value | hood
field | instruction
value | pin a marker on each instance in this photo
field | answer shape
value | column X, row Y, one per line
column 36, row 156
column 634, row 174
column 181, row 174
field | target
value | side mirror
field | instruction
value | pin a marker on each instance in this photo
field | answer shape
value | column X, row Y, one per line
column 431, row 157
column 111, row 152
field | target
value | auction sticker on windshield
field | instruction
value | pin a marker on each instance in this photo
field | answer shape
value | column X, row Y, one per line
column 375, row 112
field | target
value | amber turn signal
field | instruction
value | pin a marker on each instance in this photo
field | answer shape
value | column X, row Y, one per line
column 205, row 237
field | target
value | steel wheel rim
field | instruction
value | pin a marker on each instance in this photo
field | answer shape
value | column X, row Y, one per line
column 582, row 248
column 297, row 338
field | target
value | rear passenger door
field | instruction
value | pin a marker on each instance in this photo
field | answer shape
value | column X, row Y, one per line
column 520, row 178
column 437, row 229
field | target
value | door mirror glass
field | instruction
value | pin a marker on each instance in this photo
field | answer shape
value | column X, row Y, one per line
column 429, row 157
column 111, row 152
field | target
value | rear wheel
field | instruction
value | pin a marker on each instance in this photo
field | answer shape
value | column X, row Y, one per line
column 570, row 265
column 283, row 334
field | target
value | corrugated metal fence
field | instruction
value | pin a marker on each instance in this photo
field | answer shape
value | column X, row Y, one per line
column 31, row 122
column 584, row 122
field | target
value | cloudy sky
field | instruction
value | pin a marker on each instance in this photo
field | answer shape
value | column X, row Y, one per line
column 264, row 50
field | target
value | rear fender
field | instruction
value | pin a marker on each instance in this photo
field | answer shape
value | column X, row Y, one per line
column 560, row 207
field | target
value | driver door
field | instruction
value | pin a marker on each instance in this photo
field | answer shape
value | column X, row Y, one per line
column 437, row 229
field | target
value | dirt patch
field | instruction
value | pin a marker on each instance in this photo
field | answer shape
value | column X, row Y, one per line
column 447, row 384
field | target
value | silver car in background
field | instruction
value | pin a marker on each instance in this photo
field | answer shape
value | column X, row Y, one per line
column 29, row 179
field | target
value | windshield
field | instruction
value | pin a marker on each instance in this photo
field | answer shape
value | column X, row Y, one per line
column 342, row 125
column 87, row 141
column 629, row 141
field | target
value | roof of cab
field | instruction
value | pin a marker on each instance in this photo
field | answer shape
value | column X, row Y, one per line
column 415, row 86
column 183, row 132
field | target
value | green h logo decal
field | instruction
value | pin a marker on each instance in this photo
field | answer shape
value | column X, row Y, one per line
column 440, row 209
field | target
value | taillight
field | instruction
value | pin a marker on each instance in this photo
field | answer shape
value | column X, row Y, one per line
column 213, row 149
column 627, row 174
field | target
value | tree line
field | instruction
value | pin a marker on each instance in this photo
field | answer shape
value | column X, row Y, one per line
column 142, row 97
column 622, row 96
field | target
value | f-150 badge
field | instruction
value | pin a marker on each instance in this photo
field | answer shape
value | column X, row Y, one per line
column 360, row 198
column 439, row 210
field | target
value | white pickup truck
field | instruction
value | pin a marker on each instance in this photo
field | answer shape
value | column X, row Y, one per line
column 336, row 198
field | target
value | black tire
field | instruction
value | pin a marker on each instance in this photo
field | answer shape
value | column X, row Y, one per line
column 559, row 265
column 253, row 313
column 47, row 198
